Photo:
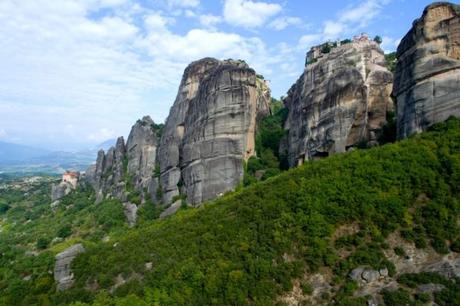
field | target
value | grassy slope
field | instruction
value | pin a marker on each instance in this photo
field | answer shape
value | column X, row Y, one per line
column 230, row 252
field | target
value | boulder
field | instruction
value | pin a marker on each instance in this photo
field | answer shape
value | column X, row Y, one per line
column 171, row 209
column 370, row 275
column 62, row 269
column 130, row 211
column 427, row 75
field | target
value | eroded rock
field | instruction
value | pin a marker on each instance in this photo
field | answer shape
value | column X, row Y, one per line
column 171, row 209
column 210, row 130
column 62, row 273
column 130, row 211
column 427, row 76
column 340, row 101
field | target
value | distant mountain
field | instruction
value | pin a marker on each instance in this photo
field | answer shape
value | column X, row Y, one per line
column 11, row 152
column 106, row 145
column 23, row 160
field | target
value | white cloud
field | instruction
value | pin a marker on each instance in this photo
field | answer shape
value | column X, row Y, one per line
column 102, row 135
column 389, row 44
column 333, row 29
column 94, row 73
column 348, row 23
column 353, row 18
column 157, row 22
column 183, row 3
column 283, row 22
column 210, row 20
column 3, row 134
column 190, row 13
column 308, row 40
column 249, row 14
column 363, row 13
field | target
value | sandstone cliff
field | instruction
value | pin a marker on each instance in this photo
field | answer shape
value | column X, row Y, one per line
column 126, row 168
column 208, row 135
column 340, row 100
column 210, row 130
column 427, row 74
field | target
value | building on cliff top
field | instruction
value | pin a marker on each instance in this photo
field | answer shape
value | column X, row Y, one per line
column 71, row 177
column 318, row 51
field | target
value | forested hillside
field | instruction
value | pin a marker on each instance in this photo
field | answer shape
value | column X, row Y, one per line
column 258, row 245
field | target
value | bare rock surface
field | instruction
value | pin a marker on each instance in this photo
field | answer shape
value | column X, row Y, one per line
column 171, row 209
column 62, row 273
column 132, row 163
column 210, row 130
column 339, row 101
column 130, row 211
column 427, row 76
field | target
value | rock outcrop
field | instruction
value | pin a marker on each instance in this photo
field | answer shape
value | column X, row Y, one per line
column 207, row 137
column 210, row 130
column 339, row 101
column 68, row 183
column 427, row 76
column 62, row 273
column 126, row 167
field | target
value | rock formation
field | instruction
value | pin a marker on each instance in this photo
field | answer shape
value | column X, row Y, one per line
column 126, row 168
column 210, row 130
column 209, row 134
column 427, row 76
column 62, row 273
column 340, row 100
column 107, row 175
column 68, row 183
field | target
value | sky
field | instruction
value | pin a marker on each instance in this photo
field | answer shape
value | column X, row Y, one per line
column 74, row 73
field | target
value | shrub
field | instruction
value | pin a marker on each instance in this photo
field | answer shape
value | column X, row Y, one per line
column 42, row 243
column 400, row 251
column 64, row 231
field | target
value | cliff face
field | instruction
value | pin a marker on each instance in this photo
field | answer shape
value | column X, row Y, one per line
column 127, row 167
column 210, row 130
column 339, row 101
column 208, row 135
column 427, row 74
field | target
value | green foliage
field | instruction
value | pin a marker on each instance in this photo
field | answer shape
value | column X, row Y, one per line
column 455, row 246
column 270, row 131
column 158, row 129
column 307, row 289
column 450, row 295
column 4, row 208
column 398, row 297
column 64, row 231
column 109, row 214
column 391, row 61
column 42, row 243
column 326, row 48
column 157, row 170
column 233, row 251
column 399, row 251
column 378, row 39
column 388, row 133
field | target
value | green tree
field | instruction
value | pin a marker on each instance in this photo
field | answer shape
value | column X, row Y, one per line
column 378, row 39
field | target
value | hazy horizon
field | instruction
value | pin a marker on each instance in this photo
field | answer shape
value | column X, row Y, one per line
column 77, row 73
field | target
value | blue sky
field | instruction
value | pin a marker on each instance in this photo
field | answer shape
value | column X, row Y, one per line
column 77, row 72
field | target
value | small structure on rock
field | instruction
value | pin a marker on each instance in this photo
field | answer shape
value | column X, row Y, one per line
column 68, row 183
